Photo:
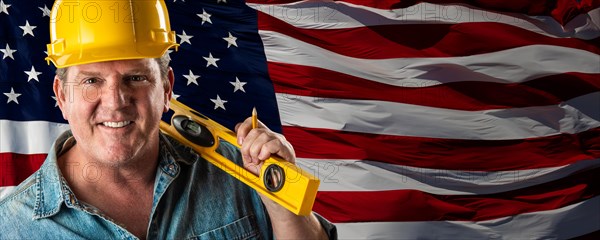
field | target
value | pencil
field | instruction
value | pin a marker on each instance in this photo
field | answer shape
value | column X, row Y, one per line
column 254, row 118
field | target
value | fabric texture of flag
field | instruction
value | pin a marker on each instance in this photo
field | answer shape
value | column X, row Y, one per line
column 423, row 119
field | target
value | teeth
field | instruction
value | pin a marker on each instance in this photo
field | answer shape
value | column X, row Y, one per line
column 116, row 124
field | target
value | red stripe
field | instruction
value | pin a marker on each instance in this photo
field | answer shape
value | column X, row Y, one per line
column 451, row 154
column 562, row 10
column 421, row 40
column 14, row 168
column 467, row 95
column 413, row 205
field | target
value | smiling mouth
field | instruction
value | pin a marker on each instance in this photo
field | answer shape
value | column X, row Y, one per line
column 116, row 124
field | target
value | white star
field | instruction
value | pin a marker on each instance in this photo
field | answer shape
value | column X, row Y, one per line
column 191, row 78
column 218, row 1
column 56, row 101
column 210, row 60
column 185, row 38
column 230, row 40
column 12, row 96
column 238, row 85
column 4, row 7
column 27, row 29
column 169, row 54
column 32, row 74
column 205, row 17
column 176, row 96
column 219, row 103
column 45, row 11
column 7, row 52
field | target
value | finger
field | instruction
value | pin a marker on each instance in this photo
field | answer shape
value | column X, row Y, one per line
column 244, row 147
column 253, row 168
column 269, row 148
column 279, row 148
column 235, row 129
column 248, row 148
column 242, row 129
column 257, row 144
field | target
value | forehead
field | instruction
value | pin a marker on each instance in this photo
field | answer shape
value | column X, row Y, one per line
column 120, row 67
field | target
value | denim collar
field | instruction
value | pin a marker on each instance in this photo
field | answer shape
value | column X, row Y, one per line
column 49, row 183
column 52, row 190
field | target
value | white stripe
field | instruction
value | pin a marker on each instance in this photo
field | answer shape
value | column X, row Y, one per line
column 567, row 222
column 4, row 191
column 341, row 15
column 513, row 65
column 32, row 137
column 363, row 175
column 390, row 118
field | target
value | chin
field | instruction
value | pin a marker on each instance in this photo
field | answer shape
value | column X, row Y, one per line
column 117, row 156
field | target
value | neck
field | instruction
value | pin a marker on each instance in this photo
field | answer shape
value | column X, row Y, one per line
column 87, row 177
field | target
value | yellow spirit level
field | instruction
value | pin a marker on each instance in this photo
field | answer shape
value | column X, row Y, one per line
column 281, row 181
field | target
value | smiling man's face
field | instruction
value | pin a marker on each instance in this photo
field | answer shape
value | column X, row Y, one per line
column 114, row 108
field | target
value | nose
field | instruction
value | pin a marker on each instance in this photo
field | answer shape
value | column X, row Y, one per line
column 115, row 96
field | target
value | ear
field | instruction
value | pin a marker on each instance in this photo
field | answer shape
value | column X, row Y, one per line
column 169, row 89
column 61, row 96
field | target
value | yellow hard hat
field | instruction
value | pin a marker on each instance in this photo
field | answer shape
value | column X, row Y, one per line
column 88, row 31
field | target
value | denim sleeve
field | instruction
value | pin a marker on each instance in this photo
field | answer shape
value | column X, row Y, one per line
column 230, row 152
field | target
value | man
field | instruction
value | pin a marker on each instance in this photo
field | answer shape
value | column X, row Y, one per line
column 114, row 175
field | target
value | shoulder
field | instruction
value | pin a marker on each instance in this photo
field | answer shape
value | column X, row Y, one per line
column 24, row 192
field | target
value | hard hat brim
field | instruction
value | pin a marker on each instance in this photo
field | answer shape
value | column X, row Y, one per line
column 107, row 54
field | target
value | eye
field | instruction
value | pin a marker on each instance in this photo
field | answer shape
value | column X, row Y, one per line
column 136, row 78
column 90, row 80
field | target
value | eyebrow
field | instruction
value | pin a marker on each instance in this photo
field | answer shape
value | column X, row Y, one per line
column 87, row 73
column 137, row 72
column 82, row 74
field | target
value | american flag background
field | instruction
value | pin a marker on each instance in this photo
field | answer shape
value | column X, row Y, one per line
column 430, row 119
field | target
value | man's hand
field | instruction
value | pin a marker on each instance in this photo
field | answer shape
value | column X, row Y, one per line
column 257, row 145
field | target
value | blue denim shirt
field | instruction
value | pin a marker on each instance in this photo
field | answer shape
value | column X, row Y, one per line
column 192, row 200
